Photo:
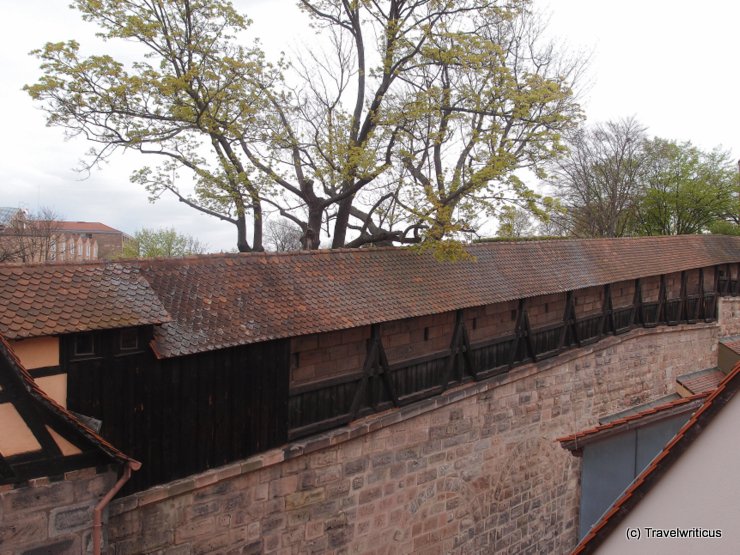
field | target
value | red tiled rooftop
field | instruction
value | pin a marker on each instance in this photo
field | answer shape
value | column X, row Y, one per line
column 219, row 301
column 733, row 344
column 41, row 300
column 702, row 381
column 85, row 227
column 225, row 300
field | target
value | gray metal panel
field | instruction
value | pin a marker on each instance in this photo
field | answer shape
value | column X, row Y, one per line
column 608, row 468
column 651, row 439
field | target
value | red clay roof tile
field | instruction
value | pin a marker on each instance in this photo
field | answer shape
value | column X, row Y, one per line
column 40, row 300
column 219, row 301
column 225, row 300
column 701, row 381
column 631, row 419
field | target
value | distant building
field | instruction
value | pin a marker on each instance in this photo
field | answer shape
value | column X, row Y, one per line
column 109, row 241
column 25, row 239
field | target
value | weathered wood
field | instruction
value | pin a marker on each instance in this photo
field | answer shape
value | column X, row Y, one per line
column 570, row 322
column 459, row 358
column 607, row 311
column 639, row 315
column 376, row 376
column 184, row 415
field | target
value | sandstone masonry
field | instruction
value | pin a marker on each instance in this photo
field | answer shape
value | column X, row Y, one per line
column 52, row 516
column 475, row 470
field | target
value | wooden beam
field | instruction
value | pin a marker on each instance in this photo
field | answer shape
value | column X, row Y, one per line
column 459, row 358
column 569, row 321
column 639, row 314
column 683, row 315
column 607, row 312
column 701, row 311
column 521, row 315
column 662, row 315
column 467, row 354
column 376, row 374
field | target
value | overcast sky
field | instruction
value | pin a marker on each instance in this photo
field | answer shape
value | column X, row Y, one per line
column 671, row 63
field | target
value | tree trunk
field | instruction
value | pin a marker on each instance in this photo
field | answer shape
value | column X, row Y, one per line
column 241, row 234
column 257, row 226
column 340, row 227
column 311, row 238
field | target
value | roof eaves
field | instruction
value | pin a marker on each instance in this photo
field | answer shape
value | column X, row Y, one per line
column 660, row 464
column 576, row 441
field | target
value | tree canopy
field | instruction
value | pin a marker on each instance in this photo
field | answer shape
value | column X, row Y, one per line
column 405, row 128
column 615, row 181
column 163, row 242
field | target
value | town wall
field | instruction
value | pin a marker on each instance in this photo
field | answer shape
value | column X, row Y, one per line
column 52, row 516
column 320, row 357
column 474, row 470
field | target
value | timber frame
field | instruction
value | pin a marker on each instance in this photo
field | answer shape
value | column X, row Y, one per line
column 465, row 360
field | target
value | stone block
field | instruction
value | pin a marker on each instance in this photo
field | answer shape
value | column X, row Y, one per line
column 37, row 497
column 64, row 520
column 303, row 498
column 33, row 528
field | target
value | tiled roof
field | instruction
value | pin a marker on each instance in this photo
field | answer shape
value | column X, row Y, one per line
column 40, row 299
column 224, row 300
column 681, row 405
column 85, row 227
column 218, row 301
column 661, row 463
column 701, row 381
column 10, row 362
column 732, row 343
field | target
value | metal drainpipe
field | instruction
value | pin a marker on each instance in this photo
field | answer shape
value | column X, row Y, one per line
column 98, row 511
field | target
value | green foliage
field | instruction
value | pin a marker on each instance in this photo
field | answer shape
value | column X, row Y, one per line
column 194, row 90
column 410, row 130
column 163, row 242
column 723, row 227
column 686, row 189
column 617, row 182
column 514, row 222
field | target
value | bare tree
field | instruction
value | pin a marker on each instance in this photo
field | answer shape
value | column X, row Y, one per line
column 282, row 235
column 601, row 179
column 30, row 237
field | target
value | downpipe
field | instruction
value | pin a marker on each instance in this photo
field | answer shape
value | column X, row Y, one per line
column 97, row 535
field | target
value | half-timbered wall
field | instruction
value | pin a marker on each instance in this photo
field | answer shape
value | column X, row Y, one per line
column 186, row 414
column 338, row 376
column 473, row 470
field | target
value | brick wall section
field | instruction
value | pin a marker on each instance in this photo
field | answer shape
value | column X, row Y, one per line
column 589, row 301
column 475, row 470
column 52, row 517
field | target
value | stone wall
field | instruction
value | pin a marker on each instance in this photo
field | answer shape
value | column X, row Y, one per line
column 475, row 470
column 729, row 316
column 52, row 517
